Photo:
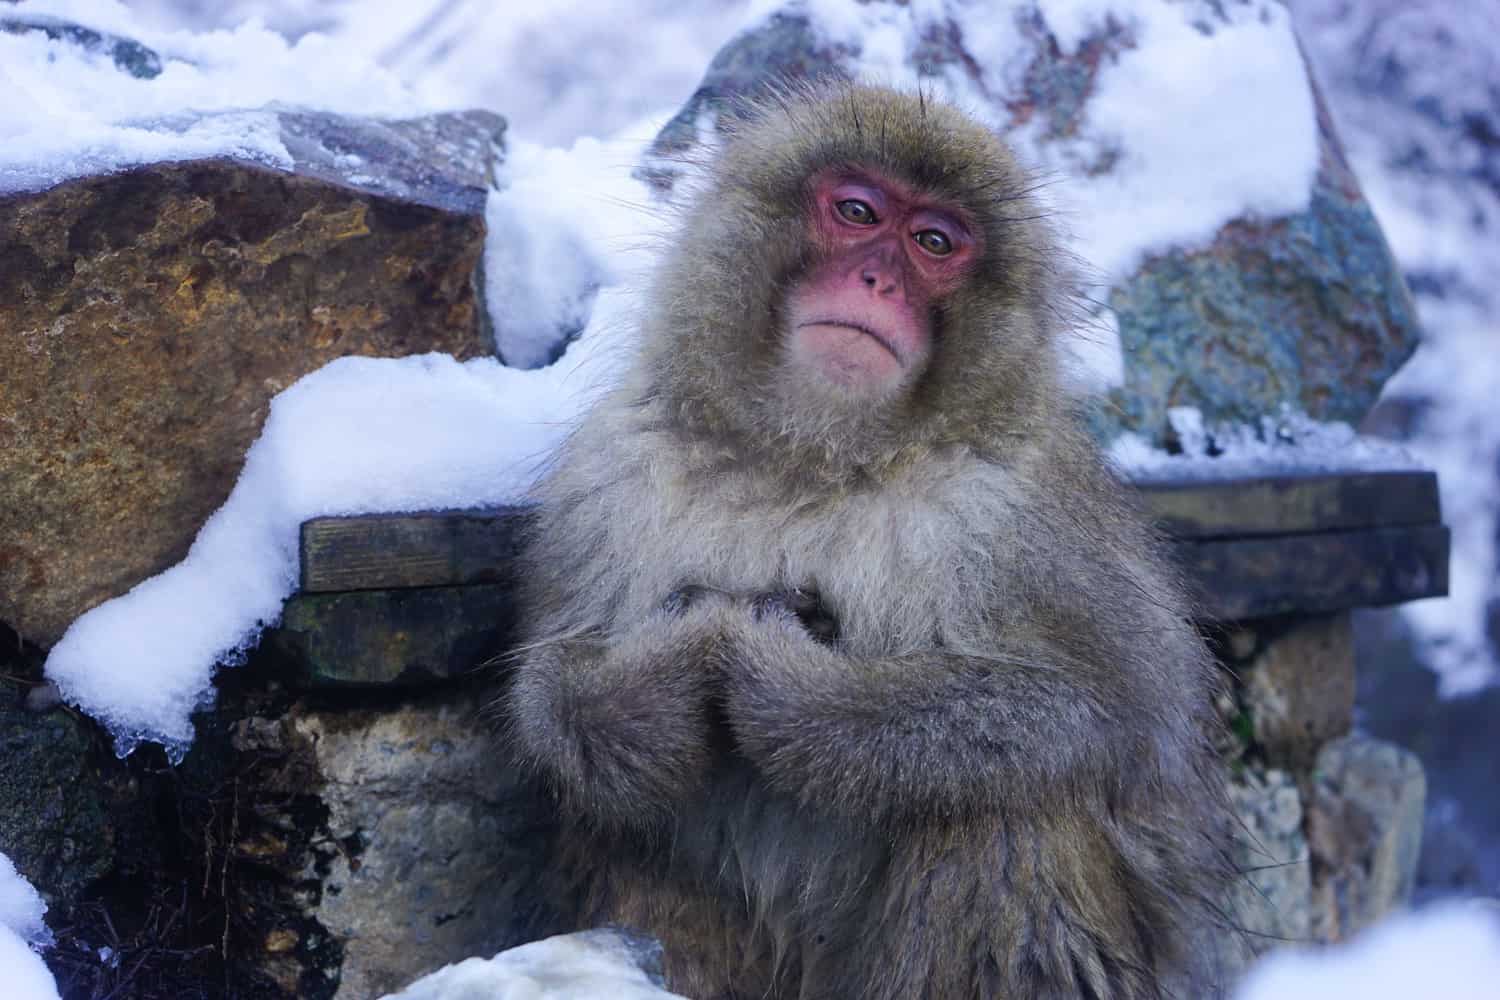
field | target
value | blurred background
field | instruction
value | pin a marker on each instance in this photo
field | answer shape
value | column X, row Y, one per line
column 1414, row 86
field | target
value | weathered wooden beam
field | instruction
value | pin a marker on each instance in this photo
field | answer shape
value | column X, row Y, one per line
column 402, row 637
column 1291, row 504
column 1316, row 573
column 450, row 548
column 1251, row 548
column 417, row 635
column 388, row 551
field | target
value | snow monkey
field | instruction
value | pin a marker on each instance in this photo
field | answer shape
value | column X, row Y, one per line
column 853, row 672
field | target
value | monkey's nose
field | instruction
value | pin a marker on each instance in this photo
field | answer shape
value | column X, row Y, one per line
column 878, row 280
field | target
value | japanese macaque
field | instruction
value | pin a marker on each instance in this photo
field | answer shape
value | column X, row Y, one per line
column 853, row 672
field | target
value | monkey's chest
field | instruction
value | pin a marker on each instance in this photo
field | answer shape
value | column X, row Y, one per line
column 884, row 571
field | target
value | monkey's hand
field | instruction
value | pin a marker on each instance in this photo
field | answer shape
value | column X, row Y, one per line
column 915, row 737
column 804, row 607
column 622, row 726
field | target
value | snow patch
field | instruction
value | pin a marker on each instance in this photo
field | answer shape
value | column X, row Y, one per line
column 1450, row 951
column 357, row 435
column 22, row 929
column 563, row 224
column 580, row 966
column 556, row 70
column 571, row 235
column 70, row 112
column 1235, row 97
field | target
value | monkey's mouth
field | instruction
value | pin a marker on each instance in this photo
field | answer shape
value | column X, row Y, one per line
column 873, row 334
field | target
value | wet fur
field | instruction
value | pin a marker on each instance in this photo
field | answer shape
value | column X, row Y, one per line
column 996, row 782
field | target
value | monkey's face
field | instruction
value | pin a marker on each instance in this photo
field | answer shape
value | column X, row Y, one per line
column 865, row 274
column 860, row 319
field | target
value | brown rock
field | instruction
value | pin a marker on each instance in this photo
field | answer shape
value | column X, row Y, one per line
column 150, row 315
column 1299, row 689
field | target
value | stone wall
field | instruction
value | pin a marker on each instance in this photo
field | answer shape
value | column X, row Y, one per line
column 1332, row 820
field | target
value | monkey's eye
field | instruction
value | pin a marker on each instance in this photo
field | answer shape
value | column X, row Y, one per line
column 934, row 242
column 856, row 212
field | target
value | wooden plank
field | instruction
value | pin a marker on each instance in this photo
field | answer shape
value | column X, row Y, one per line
column 432, row 599
column 449, row 548
column 1257, row 547
column 388, row 551
column 1292, row 504
column 402, row 638
column 1316, row 574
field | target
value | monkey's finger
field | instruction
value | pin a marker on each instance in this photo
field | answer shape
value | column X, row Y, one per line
column 679, row 600
column 773, row 605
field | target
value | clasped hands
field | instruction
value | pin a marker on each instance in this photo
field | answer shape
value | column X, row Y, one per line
column 797, row 605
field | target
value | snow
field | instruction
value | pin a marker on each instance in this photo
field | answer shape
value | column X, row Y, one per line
column 1414, row 89
column 22, row 970
column 579, row 966
column 70, row 112
column 556, row 70
column 1286, row 443
column 358, row 435
column 1237, row 98
column 569, row 240
column 1450, row 951
column 565, row 223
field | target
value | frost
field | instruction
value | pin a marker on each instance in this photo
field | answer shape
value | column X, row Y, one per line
column 1288, row 443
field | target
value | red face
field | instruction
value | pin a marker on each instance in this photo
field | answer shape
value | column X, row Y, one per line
column 884, row 254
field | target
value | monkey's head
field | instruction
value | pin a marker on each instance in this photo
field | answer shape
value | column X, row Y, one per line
column 865, row 271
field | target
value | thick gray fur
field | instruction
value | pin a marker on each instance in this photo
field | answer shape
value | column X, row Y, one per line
column 995, row 780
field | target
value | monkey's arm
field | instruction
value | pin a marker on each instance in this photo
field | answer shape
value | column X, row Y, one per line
column 928, row 735
column 621, row 727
